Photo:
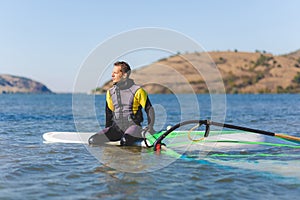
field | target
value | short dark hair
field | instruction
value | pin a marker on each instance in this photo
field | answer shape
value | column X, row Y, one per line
column 125, row 68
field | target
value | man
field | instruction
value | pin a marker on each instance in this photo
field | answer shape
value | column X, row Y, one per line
column 124, row 103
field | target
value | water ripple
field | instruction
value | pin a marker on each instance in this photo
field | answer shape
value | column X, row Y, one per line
column 33, row 170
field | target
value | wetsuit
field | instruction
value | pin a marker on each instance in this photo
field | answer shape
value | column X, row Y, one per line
column 124, row 104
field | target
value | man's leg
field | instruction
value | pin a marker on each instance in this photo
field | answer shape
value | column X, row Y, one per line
column 112, row 133
column 132, row 135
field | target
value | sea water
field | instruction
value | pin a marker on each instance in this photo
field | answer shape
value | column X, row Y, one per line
column 31, row 169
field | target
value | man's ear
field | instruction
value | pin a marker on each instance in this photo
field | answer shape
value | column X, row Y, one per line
column 125, row 75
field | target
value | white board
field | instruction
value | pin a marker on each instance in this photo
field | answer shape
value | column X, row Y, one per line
column 67, row 137
column 74, row 137
column 82, row 138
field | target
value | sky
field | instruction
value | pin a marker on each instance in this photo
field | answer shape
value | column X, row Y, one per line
column 49, row 40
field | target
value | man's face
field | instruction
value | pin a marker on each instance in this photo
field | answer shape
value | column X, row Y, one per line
column 117, row 74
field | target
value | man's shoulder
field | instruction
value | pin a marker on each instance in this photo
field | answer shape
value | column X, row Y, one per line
column 140, row 90
column 135, row 87
column 111, row 90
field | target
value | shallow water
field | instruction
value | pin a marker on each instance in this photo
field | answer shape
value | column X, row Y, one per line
column 31, row 169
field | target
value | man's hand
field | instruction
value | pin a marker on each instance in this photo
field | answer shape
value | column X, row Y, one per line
column 148, row 129
column 151, row 130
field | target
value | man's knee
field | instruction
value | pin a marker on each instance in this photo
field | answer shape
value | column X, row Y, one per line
column 129, row 140
column 98, row 139
column 135, row 131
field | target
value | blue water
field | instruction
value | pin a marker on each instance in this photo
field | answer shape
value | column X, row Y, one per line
column 31, row 169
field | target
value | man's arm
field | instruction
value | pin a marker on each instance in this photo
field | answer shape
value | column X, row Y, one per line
column 150, row 115
column 109, row 116
column 109, row 107
column 146, row 104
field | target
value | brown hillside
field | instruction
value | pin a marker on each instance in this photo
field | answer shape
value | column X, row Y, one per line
column 294, row 55
column 256, row 72
column 17, row 84
column 238, row 72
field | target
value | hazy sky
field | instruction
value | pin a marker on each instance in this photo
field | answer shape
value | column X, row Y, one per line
column 48, row 40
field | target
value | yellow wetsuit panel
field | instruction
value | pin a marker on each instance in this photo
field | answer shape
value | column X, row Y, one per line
column 140, row 99
column 109, row 101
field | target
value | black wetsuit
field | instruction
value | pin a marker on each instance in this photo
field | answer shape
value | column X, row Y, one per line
column 124, row 104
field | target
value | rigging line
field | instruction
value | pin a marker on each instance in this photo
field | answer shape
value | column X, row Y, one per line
column 208, row 123
column 190, row 137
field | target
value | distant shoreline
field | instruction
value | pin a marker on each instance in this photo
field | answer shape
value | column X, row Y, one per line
column 11, row 84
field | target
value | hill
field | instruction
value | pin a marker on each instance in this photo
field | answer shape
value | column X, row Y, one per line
column 241, row 72
column 16, row 84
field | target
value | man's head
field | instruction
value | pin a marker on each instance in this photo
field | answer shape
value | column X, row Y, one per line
column 120, row 72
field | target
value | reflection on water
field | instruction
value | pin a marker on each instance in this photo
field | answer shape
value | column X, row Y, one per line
column 131, row 159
